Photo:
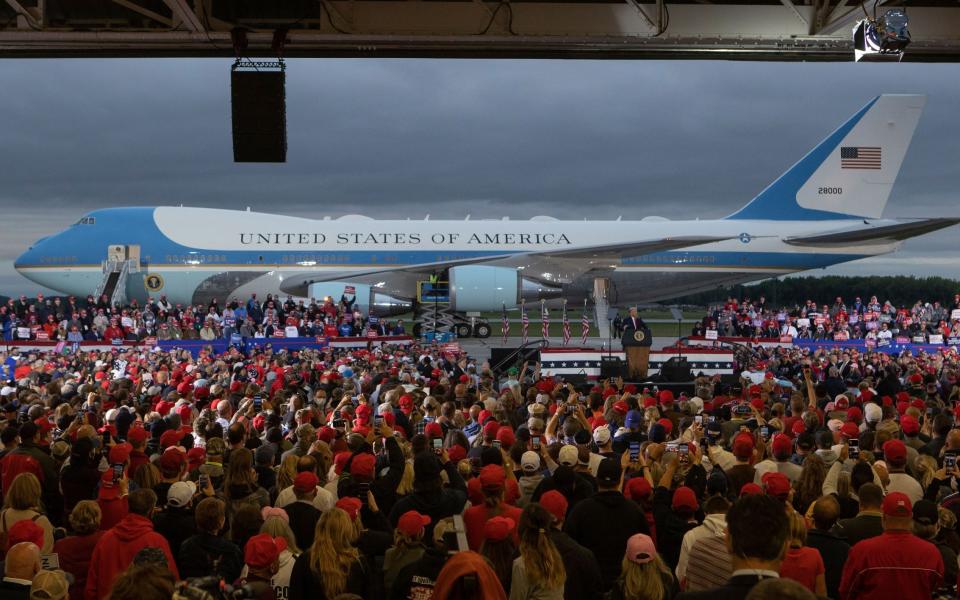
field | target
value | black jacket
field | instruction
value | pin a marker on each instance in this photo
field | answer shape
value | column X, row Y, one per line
column 204, row 554
column 602, row 524
column 437, row 506
column 175, row 524
column 574, row 486
column 583, row 572
column 833, row 550
column 736, row 588
column 305, row 585
column 14, row 591
column 670, row 527
column 303, row 522
column 415, row 579
column 859, row 528
column 384, row 487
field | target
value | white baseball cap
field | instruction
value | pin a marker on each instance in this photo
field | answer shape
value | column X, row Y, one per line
column 180, row 493
column 569, row 456
column 601, row 435
column 530, row 461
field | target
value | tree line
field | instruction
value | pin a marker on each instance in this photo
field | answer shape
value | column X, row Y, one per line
column 900, row 290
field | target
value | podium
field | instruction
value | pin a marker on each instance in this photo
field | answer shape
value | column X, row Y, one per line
column 636, row 345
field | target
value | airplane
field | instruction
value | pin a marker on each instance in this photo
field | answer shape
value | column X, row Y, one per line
column 824, row 210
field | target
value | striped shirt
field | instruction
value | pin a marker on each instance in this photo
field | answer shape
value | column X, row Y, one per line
column 709, row 565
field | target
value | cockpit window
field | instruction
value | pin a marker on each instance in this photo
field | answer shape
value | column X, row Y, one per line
column 86, row 221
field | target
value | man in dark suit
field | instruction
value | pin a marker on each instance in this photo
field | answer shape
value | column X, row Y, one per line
column 638, row 357
column 758, row 534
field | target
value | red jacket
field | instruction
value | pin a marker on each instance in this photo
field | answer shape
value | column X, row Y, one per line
column 116, row 549
column 74, row 554
column 113, row 510
column 896, row 564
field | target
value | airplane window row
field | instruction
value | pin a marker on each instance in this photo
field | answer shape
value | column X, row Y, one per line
column 195, row 258
column 58, row 260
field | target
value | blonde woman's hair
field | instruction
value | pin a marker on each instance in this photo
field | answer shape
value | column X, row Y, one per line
column 277, row 527
column 926, row 467
column 24, row 493
column 333, row 552
column 287, row 472
column 85, row 517
column 540, row 557
column 406, row 480
column 798, row 529
column 644, row 581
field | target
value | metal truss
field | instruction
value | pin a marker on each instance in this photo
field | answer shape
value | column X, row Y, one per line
column 697, row 29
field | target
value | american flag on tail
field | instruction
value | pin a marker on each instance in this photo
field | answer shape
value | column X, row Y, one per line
column 566, row 325
column 585, row 324
column 544, row 320
column 524, row 322
column 505, row 325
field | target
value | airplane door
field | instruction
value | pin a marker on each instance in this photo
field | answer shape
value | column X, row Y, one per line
column 133, row 253
column 116, row 253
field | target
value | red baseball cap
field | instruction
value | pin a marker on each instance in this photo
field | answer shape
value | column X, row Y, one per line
column 751, row 489
column 897, row 504
column 263, row 550
column 411, row 523
column 910, row 425
column 850, row 430
column 665, row 397
column 350, row 505
column 25, row 530
column 120, row 453
column 137, row 435
column 498, row 528
column 637, row 488
column 667, row 425
column 490, row 429
column 684, row 497
column 776, row 484
column 492, row 477
column 456, row 453
column 433, row 430
column 855, row 414
column 621, row 407
column 743, row 446
column 782, row 446
column 171, row 459
column 505, row 435
column 171, row 437
column 108, row 489
column 555, row 503
column 363, row 465
column 305, row 482
column 894, row 451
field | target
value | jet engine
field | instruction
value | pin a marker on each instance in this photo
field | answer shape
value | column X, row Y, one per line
column 484, row 288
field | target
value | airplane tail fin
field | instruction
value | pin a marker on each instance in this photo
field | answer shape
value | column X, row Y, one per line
column 850, row 173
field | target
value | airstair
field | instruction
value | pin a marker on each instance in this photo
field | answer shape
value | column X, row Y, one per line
column 121, row 262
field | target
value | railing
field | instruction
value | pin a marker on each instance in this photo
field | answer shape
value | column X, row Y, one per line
column 520, row 354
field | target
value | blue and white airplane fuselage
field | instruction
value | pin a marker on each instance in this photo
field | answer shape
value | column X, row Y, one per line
column 825, row 210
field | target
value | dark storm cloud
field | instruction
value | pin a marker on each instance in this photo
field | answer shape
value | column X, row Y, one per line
column 396, row 138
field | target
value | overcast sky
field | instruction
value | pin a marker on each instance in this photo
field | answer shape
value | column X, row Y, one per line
column 403, row 138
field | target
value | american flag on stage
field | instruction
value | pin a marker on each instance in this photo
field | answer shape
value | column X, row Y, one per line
column 524, row 323
column 860, row 157
column 505, row 325
column 566, row 325
column 544, row 320
column 584, row 324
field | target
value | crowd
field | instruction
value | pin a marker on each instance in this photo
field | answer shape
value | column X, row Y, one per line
column 70, row 320
column 413, row 474
column 877, row 323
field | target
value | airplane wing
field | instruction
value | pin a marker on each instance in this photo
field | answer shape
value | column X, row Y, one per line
column 574, row 261
column 882, row 234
